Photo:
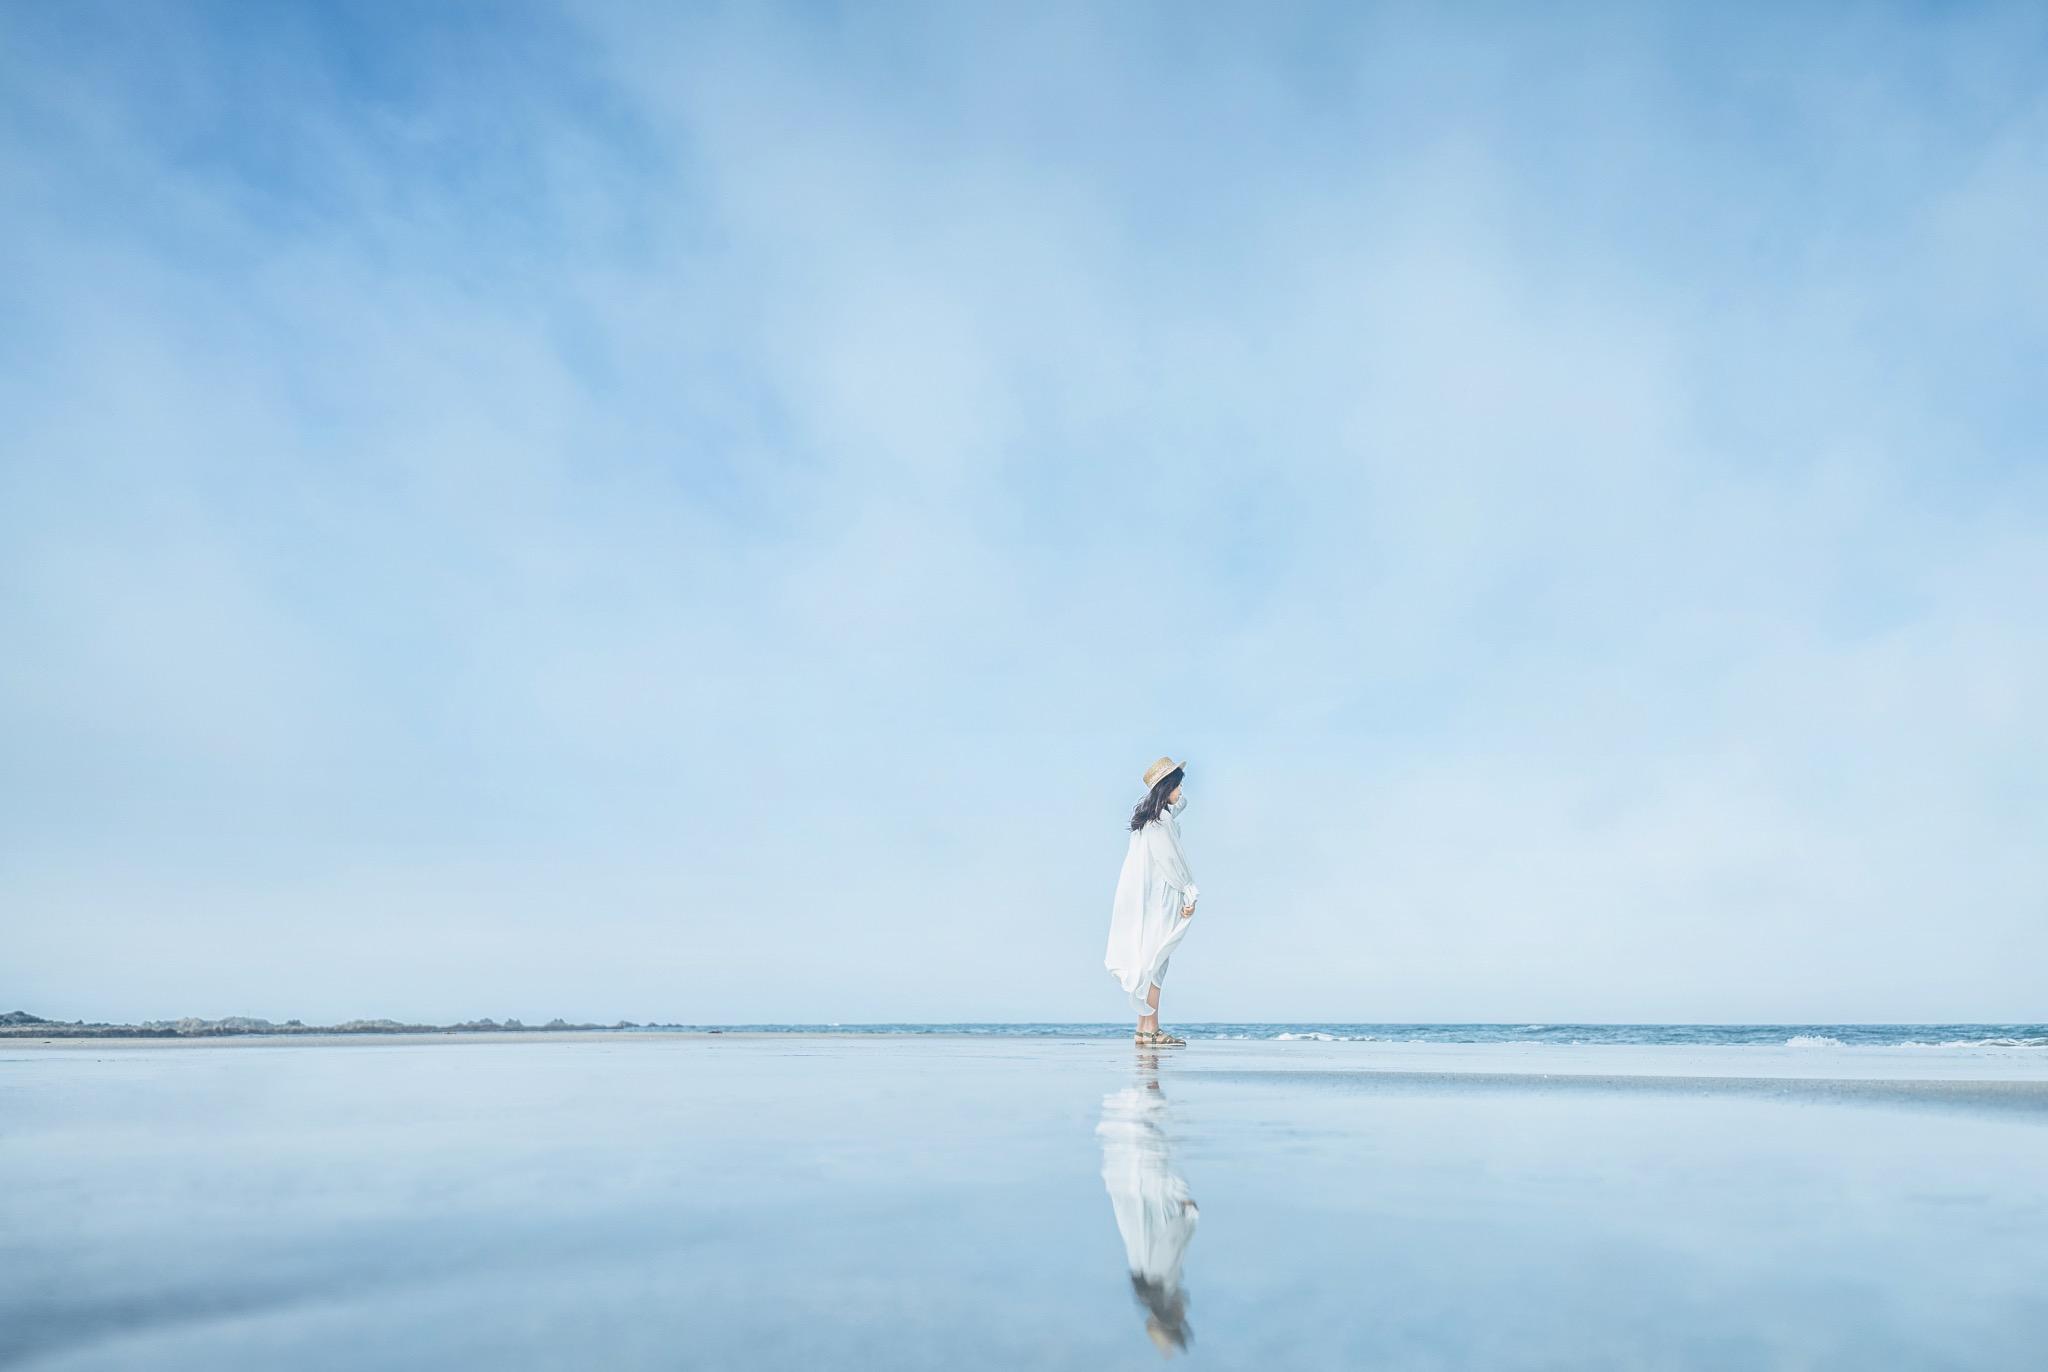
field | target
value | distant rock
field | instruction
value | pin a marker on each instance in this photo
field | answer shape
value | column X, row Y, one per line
column 21, row 1024
column 192, row 1024
column 233, row 1024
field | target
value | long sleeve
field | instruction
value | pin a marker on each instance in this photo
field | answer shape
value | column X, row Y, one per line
column 1169, row 861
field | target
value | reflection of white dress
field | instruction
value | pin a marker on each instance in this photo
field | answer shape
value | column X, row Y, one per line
column 1153, row 1211
column 1145, row 924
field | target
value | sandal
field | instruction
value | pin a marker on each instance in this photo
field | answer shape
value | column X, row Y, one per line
column 1159, row 1038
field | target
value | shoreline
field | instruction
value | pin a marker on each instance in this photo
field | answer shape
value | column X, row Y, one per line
column 2016, row 1081
column 2022, row 1095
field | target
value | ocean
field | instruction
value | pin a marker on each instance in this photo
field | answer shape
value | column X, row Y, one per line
column 1949, row 1036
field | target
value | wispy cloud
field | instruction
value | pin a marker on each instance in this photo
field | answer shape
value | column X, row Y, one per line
column 619, row 512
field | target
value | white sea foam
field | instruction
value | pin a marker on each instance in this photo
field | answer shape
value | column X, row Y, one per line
column 1814, row 1041
column 2038, row 1042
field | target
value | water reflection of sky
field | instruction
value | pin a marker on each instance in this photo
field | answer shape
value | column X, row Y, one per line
column 940, row 1203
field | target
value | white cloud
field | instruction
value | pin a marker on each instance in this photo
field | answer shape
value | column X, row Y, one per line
column 706, row 517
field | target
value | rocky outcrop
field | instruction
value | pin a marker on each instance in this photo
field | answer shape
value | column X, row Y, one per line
column 233, row 1024
column 21, row 1024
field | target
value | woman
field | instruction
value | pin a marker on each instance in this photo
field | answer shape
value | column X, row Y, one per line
column 1155, row 896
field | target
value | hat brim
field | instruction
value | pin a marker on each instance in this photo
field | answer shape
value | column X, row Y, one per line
column 1152, row 778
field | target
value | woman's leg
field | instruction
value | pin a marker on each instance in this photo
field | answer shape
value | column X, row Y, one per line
column 1151, row 1021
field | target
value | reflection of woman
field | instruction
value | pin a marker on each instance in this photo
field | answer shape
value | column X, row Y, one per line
column 1154, row 1212
column 1155, row 895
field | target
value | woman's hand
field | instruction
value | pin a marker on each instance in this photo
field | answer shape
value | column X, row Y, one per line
column 1186, row 910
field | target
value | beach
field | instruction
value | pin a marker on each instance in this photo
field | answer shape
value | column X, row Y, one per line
column 925, row 1201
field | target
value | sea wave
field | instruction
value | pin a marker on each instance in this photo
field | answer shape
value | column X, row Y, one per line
column 1515, row 1035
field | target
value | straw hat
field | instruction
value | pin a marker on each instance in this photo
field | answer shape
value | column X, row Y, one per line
column 1160, row 769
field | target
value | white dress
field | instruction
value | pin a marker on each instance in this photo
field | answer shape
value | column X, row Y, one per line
column 1154, row 1212
column 1145, row 924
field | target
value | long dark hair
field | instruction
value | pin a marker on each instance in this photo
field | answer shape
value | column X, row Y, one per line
column 1155, row 799
column 1168, row 1307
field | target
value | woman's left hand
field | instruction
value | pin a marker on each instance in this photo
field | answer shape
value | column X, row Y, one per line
column 1186, row 910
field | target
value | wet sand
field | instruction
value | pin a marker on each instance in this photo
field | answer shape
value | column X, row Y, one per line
column 626, row 1199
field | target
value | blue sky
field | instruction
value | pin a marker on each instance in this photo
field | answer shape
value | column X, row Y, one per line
column 704, row 513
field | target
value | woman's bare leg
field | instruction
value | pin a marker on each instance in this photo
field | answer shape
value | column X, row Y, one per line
column 1147, row 1023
